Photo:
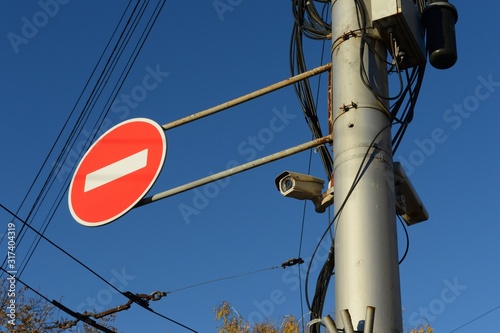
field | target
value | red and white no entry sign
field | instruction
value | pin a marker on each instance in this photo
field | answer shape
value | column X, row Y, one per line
column 117, row 171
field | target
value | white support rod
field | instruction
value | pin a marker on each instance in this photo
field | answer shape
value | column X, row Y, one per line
column 369, row 319
column 247, row 97
column 235, row 170
column 330, row 324
column 346, row 320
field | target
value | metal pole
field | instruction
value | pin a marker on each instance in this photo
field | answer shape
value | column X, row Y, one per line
column 235, row 170
column 366, row 253
column 247, row 97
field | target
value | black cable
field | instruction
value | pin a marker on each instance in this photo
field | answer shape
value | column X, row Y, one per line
column 300, row 246
column 409, row 93
column 75, row 315
column 321, row 287
column 65, row 151
column 170, row 319
column 60, row 248
column 312, row 24
column 415, row 83
column 308, row 22
column 222, row 279
column 125, row 73
column 475, row 319
column 119, row 84
column 407, row 248
column 127, row 295
column 361, row 13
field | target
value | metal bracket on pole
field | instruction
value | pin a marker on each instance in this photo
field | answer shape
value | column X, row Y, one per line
column 235, row 170
column 248, row 97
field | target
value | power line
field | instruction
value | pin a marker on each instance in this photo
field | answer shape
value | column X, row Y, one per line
column 123, row 40
column 127, row 32
column 118, row 49
column 49, row 182
column 76, row 315
column 126, row 294
column 301, row 291
column 222, row 279
column 475, row 319
column 81, row 121
column 143, row 299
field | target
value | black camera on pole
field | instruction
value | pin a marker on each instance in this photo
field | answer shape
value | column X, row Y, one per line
column 439, row 18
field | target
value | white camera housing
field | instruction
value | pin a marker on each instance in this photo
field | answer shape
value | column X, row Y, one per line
column 408, row 203
column 299, row 186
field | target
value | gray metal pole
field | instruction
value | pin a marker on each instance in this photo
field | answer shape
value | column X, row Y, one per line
column 366, row 253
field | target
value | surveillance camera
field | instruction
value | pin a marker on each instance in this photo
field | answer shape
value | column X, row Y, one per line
column 408, row 203
column 299, row 186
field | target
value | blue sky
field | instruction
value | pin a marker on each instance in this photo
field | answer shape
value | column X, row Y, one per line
column 200, row 58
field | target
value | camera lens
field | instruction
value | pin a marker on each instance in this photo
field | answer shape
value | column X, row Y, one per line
column 286, row 183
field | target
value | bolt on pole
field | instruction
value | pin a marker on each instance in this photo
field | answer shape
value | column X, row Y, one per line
column 366, row 252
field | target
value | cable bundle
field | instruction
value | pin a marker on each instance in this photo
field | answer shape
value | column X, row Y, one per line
column 308, row 22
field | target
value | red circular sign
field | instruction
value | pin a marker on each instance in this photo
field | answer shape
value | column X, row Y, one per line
column 117, row 171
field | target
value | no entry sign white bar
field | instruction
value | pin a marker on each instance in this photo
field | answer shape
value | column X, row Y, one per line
column 116, row 170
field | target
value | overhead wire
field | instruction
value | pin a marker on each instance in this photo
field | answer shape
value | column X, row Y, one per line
column 125, row 294
column 309, row 23
column 49, row 182
column 109, row 67
column 125, row 72
column 76, row 315
column 312, row 30
column 222, row 279
column 475, row 319
column 301, row 238
column 112, row 61
column 305, row 202
column 143, row 299
column 102, row 82
column 96, row 93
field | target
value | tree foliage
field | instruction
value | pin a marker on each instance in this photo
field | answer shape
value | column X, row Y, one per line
column 232, row 322
column 423, row 329
column 25, row 314
column 33, row 314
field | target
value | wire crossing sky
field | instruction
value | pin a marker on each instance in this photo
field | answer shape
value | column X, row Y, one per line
column 72, row 70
